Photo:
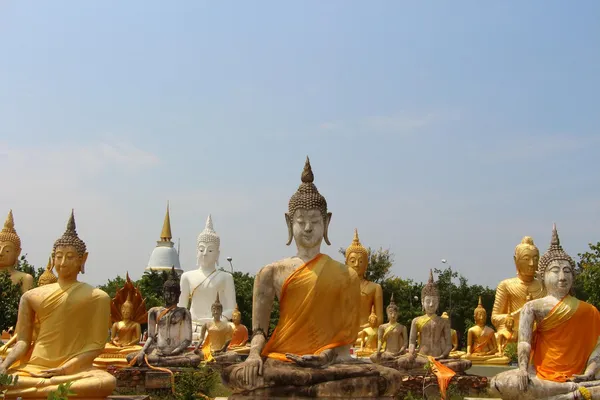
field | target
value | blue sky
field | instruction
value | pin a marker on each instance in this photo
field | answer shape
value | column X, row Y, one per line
column 446, row 130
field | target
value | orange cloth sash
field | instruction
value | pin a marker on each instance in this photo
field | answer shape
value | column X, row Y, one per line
column 240, row 335
column 318, row 310
column 443, row 374
column 564, row 340
column 484, row 339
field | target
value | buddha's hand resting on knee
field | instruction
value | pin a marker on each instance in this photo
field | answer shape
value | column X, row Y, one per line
column 251, row 369
column 522, row 380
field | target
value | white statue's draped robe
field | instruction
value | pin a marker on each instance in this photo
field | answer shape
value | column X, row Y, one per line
column 198, row 292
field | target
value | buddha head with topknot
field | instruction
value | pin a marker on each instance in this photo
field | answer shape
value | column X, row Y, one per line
column 208, row 246
column 47, row 277
column 430, row 297
column 556, row 268
column 526, row 258
column 69, row 252
column 307, row 217
column 216, row 308
column 10, row 243
column 171, row 288
column 480, row 314
column 357, row 256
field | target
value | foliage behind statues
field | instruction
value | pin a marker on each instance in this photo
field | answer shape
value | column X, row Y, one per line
column 589, row 277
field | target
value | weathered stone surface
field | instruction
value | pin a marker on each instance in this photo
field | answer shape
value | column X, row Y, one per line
column 134, row 397
column 157, row 380
column 282, row 379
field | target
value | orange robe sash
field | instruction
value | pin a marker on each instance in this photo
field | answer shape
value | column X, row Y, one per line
column 484, row 339
column 564, row 340
column 318, row 310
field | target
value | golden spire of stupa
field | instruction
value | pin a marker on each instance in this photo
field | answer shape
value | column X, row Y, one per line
column 165, row 235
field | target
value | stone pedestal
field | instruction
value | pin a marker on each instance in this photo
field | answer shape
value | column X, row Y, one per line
column 141, row 380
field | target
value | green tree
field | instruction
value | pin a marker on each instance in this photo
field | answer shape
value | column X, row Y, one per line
column 244, row 284
column 113, row 285
column 24, row 266
column 10, row 294
column 589, row 275
column 151, row 287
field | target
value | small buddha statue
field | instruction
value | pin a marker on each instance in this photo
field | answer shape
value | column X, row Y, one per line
column 454, row 353
column 481, row 341
column 239, row 340
column 169, row 332
column 73, row 320
column 216, row 336
column 128, row 311
column 559, row 358
column 392, row 338
column 507, row 335
column 308, row 353
column 368, row 337
column 511, row 294
column 47, row 277
column 371, row 294
column 10, row 250
column 435, row 337
column 199, row 287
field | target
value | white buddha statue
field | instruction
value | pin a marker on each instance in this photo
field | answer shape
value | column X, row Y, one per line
column 199, row 287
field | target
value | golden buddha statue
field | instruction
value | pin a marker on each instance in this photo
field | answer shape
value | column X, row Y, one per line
column 239, row 338
column 128, row 311
column 454, row 353
column 511, row 294
column 59, row 355
column 46, row 278
column 215, row 336
column 558, row 359
column 371, row 294
column 308, row 353
column 392, row 338
column 10, row 250
column 481, row 341
column 368, row 337
column 507, row 335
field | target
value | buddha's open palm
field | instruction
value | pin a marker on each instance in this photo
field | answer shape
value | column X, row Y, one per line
column 49, row 373
column 308, row 361
column 251, row 369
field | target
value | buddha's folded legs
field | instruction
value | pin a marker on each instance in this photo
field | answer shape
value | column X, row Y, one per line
column 404, row 363
column 338, row 380
column 506, row 386
column 92, row 383
column 183, row 360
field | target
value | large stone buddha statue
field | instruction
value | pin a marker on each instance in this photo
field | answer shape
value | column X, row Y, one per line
column 308, row 353
column 511, row 294
column 10, row 250
column 434, row 335
column 559, row 359
column 128, row 312
column 371, row 294
column 482, row 347
column 200, row 287
column 73, row 322
column 169, row 332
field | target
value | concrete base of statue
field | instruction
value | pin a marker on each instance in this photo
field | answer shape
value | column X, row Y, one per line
column 284, row 379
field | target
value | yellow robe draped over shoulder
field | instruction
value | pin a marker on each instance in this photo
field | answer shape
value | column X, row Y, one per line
column 72, row 321
column 565, row 339
column 318, row 309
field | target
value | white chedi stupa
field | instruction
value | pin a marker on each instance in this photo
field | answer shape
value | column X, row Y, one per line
column 164, row 256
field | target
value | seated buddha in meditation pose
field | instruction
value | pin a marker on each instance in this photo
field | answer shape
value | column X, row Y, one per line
column 308, row 353
column 434, row 334
column 200, row 286
column 392, row 338
column 559, row 359
column 371, row 294
column 10, row 250
column 215, row 335
column 128, row 311
column 481, row 341
column 454, row 353
column 73, row 322
column 507, row 335
column 169, row 332
column 513, row 293
column 368, row 337
column 239, row 339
